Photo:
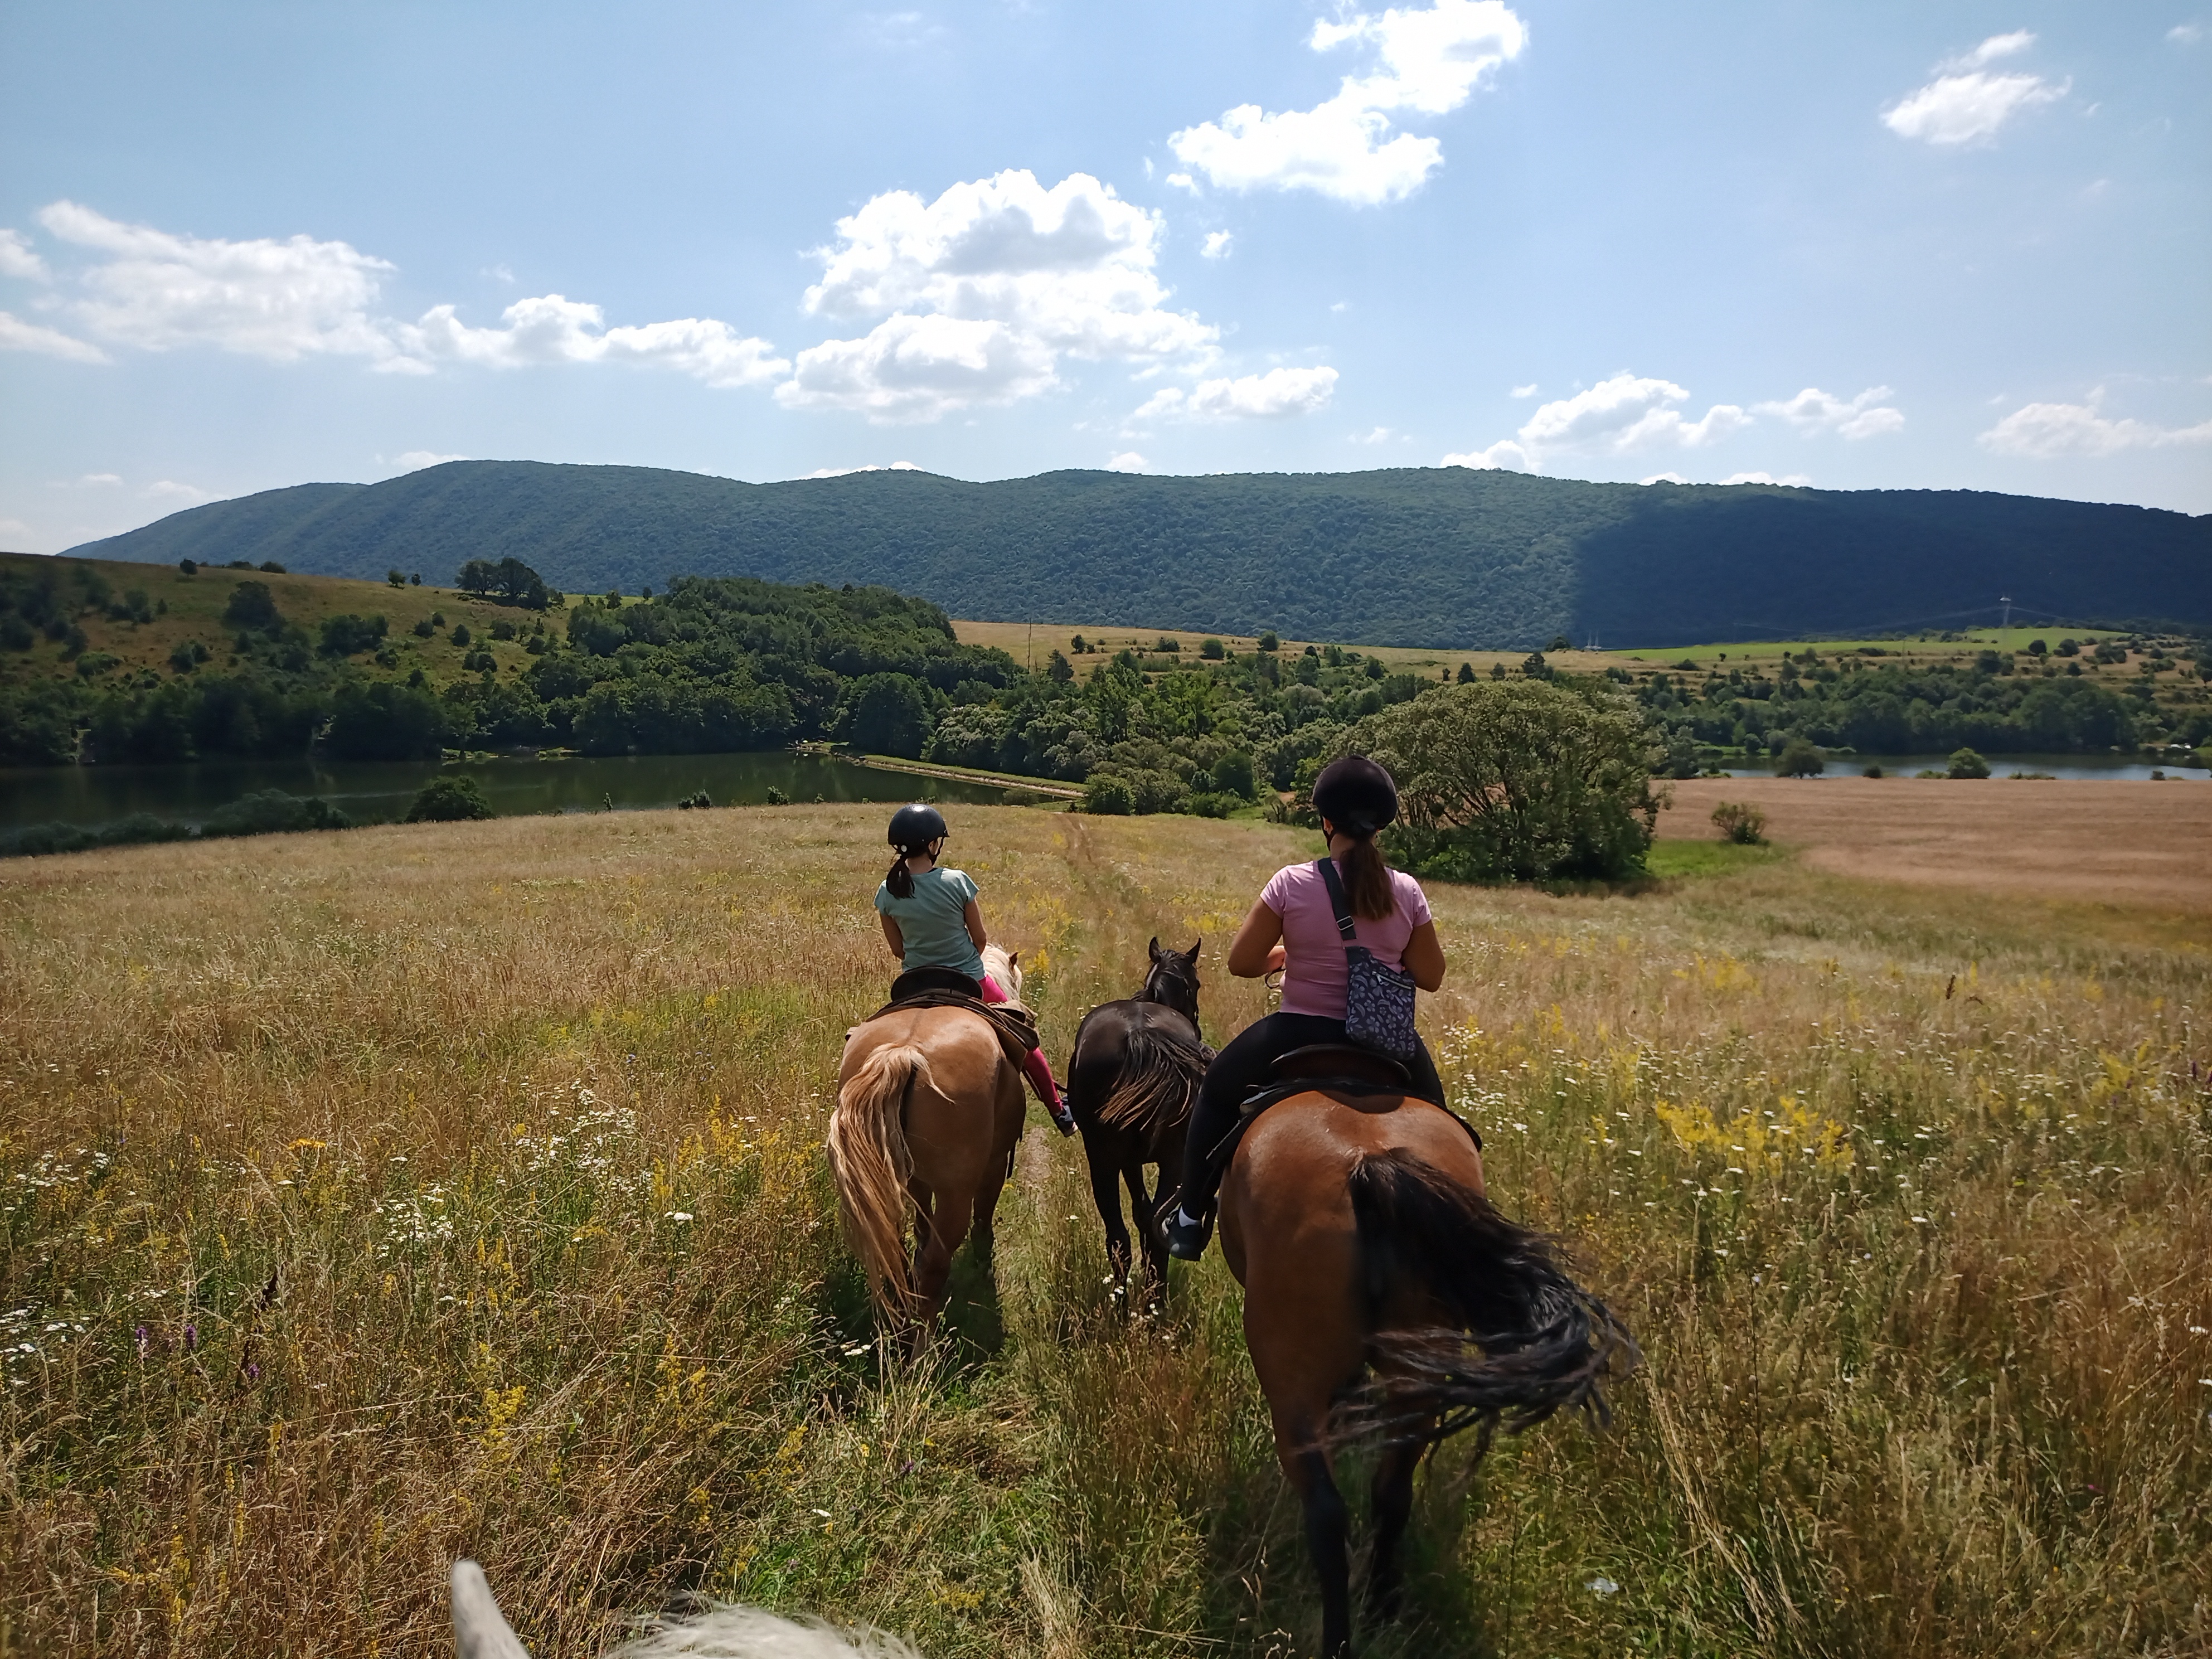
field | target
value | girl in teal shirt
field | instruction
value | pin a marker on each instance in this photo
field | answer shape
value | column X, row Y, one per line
column 931, row 920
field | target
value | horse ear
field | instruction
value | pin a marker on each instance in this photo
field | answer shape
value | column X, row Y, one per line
column 479, row 1631
column 1156, row 947
column 1014, row 959
column 1191, row 955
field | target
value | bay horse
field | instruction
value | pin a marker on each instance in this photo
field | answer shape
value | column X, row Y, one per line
column 1131, row 1081
column 1383, row 1294
column 929, row 1108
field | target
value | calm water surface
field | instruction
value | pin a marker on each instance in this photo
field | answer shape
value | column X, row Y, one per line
column 2107, row 767
column 380, row 791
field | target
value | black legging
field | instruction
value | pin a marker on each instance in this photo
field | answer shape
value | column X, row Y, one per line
column 1246, row 1064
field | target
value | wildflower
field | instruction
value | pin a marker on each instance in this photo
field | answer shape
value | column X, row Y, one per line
column 143, row 1341
column 1602, row 1585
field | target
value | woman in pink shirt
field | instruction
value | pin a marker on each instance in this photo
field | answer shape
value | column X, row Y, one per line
column 1293, row 928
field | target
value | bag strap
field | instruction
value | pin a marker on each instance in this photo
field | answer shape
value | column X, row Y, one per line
column 1337, row 900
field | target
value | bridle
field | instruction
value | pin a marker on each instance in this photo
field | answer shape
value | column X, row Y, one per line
column 1179, row 991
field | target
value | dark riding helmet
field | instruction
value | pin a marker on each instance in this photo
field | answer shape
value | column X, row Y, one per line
column 1356, row 795
column 915, row 827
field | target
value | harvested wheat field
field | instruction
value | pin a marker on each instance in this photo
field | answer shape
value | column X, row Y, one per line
column 2126, row 843
column 380, row 1196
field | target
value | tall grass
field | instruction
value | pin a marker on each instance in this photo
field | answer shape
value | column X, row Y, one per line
column 466, row 1197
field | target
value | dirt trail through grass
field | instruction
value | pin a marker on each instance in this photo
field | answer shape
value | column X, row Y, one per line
column 374, row 1198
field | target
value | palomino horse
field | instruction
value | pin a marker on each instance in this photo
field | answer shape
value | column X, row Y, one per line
column 928, row 1110
column 1130, row 1084
column 1358, row 1226
column 480, row 1632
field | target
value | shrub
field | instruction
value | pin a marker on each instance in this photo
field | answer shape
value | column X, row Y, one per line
column 1740, row 822
column 424, row 627
column 1233, row 774
column 460, row 635
column 395, row 578
column 776, row 797
column 190, row 567
column 93, row 664
column 271, row 811
column 1799, row 759
column 186, row 655
column 1524, row 780
column 452, row 798
column 1965, row 763
column 1211, row 650
column 1109, row 796
column 347, row 634
column 1212, row 805
column 1269, row 642
column 1168, row 644
column 701, row 799
column 1870, row 771
column 272, row 567
column 253, row 606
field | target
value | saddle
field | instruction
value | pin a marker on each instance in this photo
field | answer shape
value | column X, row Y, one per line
column 947, row 987
column 1332, row 1068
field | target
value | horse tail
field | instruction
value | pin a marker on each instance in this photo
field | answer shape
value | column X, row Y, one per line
column 1523, row 1340
column 872, row 1163
column 1156, row 1082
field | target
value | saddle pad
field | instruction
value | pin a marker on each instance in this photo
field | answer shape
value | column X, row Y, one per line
column 1015, row 1026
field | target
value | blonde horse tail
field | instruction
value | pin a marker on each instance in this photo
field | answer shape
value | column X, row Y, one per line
column 869, row 1154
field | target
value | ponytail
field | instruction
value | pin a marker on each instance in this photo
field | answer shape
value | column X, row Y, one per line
column 901, row 880
column 1367, row 880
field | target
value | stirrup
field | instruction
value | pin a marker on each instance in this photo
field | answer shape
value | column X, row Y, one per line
column 1187, row 1240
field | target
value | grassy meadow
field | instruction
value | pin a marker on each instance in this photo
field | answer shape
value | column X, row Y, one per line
column 458, row 1189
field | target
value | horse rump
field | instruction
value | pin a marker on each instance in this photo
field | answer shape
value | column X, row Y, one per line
column 872, row 1164
column 1156, row 1082
column 1524, row 1341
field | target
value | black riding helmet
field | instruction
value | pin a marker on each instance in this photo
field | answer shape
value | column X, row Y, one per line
column 1356, row 795
column 913, row 828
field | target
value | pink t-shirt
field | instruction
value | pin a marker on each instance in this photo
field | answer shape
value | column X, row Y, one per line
column 1313, row 951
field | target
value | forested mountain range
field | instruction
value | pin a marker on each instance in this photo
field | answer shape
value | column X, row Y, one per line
column 1437, row 557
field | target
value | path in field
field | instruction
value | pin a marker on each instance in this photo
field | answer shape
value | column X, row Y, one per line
column 2118, row 843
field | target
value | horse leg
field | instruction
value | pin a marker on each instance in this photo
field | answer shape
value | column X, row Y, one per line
column 1391, row 1505
column 1145, row 1211
column 1325, row 1543
column 1106, row 1194
column 987, row 1205
column 934, row 1263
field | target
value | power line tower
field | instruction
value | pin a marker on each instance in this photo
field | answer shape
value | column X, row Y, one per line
column 2005, row 599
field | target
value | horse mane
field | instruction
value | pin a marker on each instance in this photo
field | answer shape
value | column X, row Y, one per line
column 999, row 966
column 1157, row 1081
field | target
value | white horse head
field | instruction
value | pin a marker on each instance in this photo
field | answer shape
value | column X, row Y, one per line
column 1005, row 968
column 721, row 1632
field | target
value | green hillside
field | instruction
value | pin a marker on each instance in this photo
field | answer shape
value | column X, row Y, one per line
column 1444, row 556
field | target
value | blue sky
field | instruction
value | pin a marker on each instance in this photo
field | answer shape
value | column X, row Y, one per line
column 1901, row 245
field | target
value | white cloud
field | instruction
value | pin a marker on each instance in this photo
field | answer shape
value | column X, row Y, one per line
column 1616, row 417
column 2185, row 35
column 16, row 335
column 554, row 329
column 1504, row 455
column 100, row 480
column 2049, row 431
column 1528, row 391
column 986, row 288
column 1424, row 62
column 1664, row 477
column 1215, row 246
column 168, row 489
column 1814, row 410
column 1381, row 434
column 1793, row 480
column 1278, row 393
column 1127, row 461
column 845, row 471
column 16, row 527
column 414, row 461
column 284, row 300
column 16, row 259
column 1965, row 104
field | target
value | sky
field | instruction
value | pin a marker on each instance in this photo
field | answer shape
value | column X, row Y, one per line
column 1897, row 246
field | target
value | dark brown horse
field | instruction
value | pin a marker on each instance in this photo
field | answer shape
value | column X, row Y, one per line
column 1135, row 1071
column 1382, row 1292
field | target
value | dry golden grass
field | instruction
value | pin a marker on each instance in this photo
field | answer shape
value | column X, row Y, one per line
column 375, row 1197
column 1025, row 641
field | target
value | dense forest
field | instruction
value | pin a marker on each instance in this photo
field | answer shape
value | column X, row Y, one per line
column 728, row 664
column 1434, row 556
column 709, row 665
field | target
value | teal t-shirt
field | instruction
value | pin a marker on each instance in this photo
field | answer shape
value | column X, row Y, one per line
column 933, row 921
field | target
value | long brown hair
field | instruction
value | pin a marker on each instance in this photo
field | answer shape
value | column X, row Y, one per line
column 1367, row 880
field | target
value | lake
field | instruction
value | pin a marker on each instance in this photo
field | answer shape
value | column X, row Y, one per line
column 2109, row 768
column 380, row 791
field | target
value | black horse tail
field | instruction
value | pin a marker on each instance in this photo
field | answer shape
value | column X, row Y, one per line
column 1156, row 1084
column 1523, row 1340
